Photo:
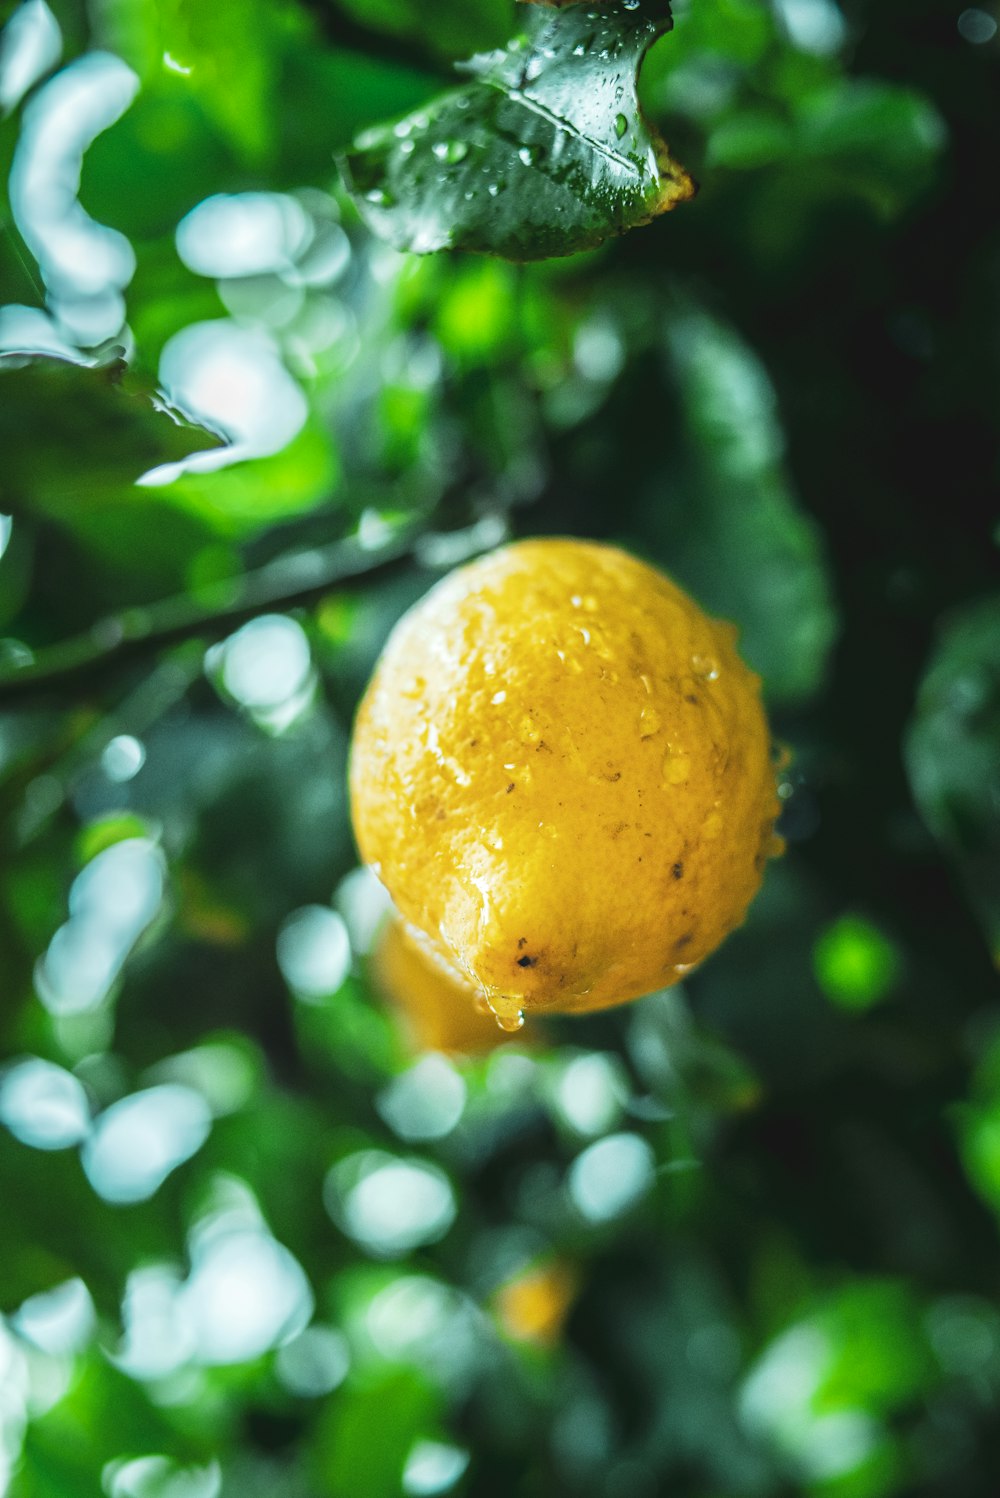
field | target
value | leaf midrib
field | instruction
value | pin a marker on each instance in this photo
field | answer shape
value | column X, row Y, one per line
column 517, row 96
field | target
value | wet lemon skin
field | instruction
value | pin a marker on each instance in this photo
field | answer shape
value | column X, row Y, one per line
column 436, row 1006
column 561, row 772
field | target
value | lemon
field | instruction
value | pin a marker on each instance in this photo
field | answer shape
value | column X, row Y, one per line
column 561, row 772
column 438, row 1008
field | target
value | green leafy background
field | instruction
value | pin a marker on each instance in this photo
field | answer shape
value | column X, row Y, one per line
column 737, row 1240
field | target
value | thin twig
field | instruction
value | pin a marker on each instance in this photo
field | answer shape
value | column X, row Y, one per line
column 291, row 580
column 353, row 35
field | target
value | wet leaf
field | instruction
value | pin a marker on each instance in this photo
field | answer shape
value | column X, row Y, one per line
column 116, row 427
column 545, row 152
column 953, row 755
column 731, row 524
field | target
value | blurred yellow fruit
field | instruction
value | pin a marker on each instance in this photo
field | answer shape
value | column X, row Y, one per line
column 562, row 774
column 437, row 1006
column 533, row 1306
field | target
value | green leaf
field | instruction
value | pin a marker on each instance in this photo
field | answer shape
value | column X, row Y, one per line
column 953, row 751
column 70, row 429
column 177, row 50
column 545, row 152
column 735, row 534
column 401, row 1407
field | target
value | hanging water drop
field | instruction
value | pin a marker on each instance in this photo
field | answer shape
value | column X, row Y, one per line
column 507, row 1012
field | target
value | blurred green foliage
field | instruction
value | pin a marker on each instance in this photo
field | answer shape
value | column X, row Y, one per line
column 736, row 1239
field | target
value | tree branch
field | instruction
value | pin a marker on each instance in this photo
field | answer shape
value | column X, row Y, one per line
column 291, row 580
column 354, row 36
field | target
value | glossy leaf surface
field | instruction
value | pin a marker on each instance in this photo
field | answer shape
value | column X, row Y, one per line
column 543, row 153
column 86, row 405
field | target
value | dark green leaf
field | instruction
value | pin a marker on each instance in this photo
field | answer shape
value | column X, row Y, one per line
column 953, row 755
column 732, row 529
column 114, row 428
column 545, row 152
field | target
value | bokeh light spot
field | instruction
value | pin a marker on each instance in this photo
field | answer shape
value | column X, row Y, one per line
column 123, row 758
column 112, row 901
column 855, row 964
column 247, row 1293
column 159, row 1477
column 365, row 904
column 611, row 1176
column 314, row 952
column 30, row 44
column 79, row 259
column 138, row 1141
column 425, row 1102
column 387, row 1205
column 433, row 1467
column 314, row 1363
column 231, row 379
column 590, row 1094
column 60, row 1321
column 266, row 667
column 243, row 234
column 977, row 26
column 43, row 1105
column 814, row 26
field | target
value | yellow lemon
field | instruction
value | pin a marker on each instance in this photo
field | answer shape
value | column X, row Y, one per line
column 561, row 772
column 438, row 1008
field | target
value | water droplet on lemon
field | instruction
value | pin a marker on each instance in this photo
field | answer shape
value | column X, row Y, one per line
column 705, row 666
column 507, row 1012
column 676, row 767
